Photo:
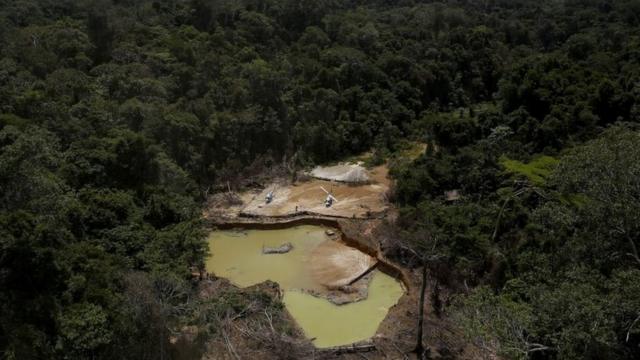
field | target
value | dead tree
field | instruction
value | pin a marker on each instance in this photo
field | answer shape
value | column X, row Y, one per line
column 421, row 350
column 422, row 249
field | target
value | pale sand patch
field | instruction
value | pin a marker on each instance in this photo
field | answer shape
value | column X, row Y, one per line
column 351, row 173
column 334, row 264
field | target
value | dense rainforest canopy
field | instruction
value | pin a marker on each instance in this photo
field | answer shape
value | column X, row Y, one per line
column 117, row 117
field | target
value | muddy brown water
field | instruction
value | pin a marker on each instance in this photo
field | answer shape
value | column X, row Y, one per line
column 237, row 255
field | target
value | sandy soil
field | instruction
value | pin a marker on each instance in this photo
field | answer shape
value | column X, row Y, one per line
column 334, row 264
column 354, row 201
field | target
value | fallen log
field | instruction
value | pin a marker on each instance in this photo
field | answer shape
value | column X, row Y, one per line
column 354, row 348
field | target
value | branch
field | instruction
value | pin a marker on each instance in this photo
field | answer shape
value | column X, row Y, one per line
column 631, row 327
column 515, row 194
column 270, row 320
column 634, row 249
column 538, row 347
column 230, row 347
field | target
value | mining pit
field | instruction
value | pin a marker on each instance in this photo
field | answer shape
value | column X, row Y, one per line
column 333, row 291
column 336, row 288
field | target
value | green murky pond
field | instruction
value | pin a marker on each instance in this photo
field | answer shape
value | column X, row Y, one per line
column 237, row 256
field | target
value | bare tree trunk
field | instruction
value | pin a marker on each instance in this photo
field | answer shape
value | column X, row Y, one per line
column 634, row 249
column 436, row 303
column 420, row 349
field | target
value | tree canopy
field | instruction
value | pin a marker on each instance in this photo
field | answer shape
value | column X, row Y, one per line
column 117, row 116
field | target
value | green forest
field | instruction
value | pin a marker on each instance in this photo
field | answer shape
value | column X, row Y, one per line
column 119, row 117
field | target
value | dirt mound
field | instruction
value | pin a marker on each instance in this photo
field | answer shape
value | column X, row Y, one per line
column 351, row 173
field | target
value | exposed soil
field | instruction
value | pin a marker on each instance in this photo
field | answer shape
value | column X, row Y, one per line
column 336, row 265
column 355, row 291
column 307, row 198
column 347, row 172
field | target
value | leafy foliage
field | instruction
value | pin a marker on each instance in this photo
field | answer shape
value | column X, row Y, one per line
column 536, row 171
column 116, row 116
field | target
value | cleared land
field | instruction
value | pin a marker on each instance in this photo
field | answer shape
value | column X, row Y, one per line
column 357, row 198
column 354, row 201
